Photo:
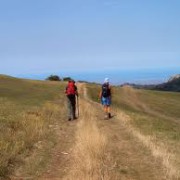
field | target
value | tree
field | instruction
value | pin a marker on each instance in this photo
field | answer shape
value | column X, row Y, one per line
column 67, row 79
column 53, row 78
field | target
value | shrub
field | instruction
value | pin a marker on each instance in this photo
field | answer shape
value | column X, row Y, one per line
column 67, row 79
column 53, row 78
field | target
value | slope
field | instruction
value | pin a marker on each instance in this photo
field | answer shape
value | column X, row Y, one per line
column 29, row 111
column 153, row 118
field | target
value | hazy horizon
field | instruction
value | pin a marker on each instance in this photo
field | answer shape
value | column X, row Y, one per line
column 116, row 76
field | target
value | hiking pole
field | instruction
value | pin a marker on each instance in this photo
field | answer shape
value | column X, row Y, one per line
column 77, row 106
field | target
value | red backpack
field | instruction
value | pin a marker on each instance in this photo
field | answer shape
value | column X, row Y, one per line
column 71, row 90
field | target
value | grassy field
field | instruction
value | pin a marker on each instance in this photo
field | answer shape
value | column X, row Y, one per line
column 154, row 116
column 156, row 111
column 34, row 131
column 29, row 111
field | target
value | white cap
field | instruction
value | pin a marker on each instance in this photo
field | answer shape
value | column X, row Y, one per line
column 106, row 80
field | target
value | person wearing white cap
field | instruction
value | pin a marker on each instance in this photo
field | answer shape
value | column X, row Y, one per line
column 106, row 80
column 105, row 96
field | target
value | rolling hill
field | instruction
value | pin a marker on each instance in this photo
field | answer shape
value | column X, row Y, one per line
column 27, row 110
column 172, row 85
column 141, row 141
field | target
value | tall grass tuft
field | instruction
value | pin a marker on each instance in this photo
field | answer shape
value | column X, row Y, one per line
column 23, row 132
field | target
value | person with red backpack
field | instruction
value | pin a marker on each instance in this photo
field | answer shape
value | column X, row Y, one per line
column 105, row 96
column 71, row 93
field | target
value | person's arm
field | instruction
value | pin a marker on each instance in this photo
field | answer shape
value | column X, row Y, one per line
column 66, row 90
column 100, row 94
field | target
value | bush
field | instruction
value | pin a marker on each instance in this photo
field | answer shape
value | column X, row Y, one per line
column 67, row 79
column 53, row 78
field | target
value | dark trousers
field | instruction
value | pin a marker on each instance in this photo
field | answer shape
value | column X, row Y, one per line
column 71, row 105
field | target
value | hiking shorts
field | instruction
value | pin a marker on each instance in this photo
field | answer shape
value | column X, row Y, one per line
column 106, row 101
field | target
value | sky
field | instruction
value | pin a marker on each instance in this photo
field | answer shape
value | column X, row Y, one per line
column 50, row 36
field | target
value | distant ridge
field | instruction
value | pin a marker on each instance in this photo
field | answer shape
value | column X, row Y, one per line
column 173, row 78
column 173, row 84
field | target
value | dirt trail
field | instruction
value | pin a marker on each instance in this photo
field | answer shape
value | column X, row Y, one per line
column 100, row 149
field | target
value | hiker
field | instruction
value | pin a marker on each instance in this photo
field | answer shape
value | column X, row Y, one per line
column 105, row 96
column 71, row 93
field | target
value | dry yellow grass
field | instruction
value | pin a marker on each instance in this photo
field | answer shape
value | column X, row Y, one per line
column 159, row 151
column 131, row 96
column 37, row 136
column 28, row 112
column 90, row 159
column 97, row 152
column 131, row 100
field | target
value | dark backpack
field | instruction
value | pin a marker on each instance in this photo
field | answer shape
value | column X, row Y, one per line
column 106, row 90
column 71, row 89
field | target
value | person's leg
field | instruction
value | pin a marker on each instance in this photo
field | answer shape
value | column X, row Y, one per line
column 104, row 102
column 74, row 107
column 105, row 112
column 109, row 111
column 108, row 107
column 105, row 109
column 69, row 108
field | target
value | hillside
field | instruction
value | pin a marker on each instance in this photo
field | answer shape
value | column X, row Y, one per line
column 172, row 85
column 27, row 109
column 140, row 142
column 153, row 118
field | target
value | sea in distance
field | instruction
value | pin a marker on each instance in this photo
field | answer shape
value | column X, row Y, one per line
column 116, row 76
